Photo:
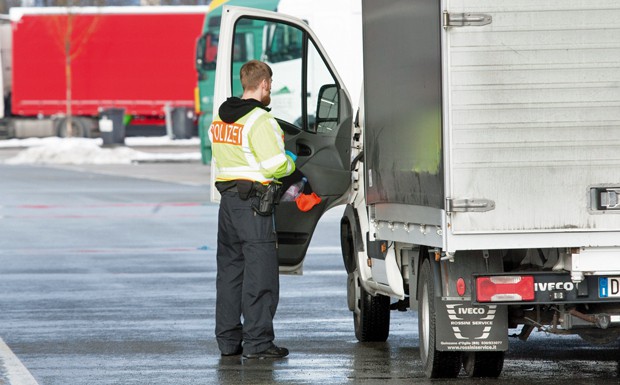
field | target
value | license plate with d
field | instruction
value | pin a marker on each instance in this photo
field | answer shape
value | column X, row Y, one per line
column 609, row 287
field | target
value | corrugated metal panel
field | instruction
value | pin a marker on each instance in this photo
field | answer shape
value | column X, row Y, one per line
column 534, row 121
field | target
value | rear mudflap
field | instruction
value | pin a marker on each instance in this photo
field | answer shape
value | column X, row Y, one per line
column 467, row 327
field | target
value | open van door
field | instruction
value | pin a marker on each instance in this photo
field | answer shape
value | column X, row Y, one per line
column 308, row 101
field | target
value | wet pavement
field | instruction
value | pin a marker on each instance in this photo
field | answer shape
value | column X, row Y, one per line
column 107, row 277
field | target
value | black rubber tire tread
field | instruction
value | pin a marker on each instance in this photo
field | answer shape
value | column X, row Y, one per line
column 81, row 129
column 483, row 364
column 373, row 324
column 437, row 364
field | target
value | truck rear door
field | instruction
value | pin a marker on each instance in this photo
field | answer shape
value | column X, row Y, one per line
column 533, row 116
column 310, row 103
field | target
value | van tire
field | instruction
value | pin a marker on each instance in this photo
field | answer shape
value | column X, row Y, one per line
column 483, row 364
column 371, row 314
column 437, row 364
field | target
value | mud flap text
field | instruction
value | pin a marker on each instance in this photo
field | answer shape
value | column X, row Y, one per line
column 467, row 327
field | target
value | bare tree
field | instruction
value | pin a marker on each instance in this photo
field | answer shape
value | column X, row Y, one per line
column 71, row 41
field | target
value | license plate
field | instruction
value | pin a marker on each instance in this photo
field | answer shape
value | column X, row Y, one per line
column 609, row 287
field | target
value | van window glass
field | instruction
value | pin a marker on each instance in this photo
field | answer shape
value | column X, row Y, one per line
column 318, row 77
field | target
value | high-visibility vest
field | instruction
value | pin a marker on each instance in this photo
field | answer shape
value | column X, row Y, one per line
column 251, row 148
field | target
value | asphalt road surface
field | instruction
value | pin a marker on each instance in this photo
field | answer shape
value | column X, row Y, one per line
column 107, row 277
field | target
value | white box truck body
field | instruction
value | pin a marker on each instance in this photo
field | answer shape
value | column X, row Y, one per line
column 483, row 172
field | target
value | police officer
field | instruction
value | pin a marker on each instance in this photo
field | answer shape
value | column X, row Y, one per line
column 248, row 154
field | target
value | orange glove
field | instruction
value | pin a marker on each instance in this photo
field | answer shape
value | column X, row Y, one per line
column 305, row 202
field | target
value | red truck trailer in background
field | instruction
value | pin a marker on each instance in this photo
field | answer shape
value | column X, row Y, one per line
column 140, row 59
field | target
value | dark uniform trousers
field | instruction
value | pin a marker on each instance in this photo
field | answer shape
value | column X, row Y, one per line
column 247, row 277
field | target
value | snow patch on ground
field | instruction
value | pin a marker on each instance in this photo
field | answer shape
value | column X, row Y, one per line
column 130, row 141
column 89, row 151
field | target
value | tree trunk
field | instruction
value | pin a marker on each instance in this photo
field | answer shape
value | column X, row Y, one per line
column 69, row 32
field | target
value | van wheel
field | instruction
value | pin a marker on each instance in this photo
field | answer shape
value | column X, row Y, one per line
column 371, row 314
column 79, row 129
column 483, row 364
column 437, row 364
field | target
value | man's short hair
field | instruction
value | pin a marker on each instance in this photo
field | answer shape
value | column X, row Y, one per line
column 253, row 73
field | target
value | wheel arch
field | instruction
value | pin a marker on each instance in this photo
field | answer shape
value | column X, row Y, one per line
column 350, row 238
column 424, row 254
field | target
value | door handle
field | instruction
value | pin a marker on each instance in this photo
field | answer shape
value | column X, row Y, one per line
column 303, row 150
column 466, row 19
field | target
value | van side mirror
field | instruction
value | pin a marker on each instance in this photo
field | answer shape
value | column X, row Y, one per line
column 327, row 109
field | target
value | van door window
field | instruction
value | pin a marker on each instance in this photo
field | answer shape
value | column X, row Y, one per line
column 319, row 78
column 299, row 70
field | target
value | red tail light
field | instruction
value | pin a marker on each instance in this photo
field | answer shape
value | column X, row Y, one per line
column 505, row 288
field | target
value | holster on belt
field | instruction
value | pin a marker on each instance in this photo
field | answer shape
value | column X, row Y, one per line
column 267, row 195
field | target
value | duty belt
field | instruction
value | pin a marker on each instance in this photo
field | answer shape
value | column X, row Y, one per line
column 242, row 186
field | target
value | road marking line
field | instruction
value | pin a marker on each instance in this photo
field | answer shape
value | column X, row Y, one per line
column 15, row 372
